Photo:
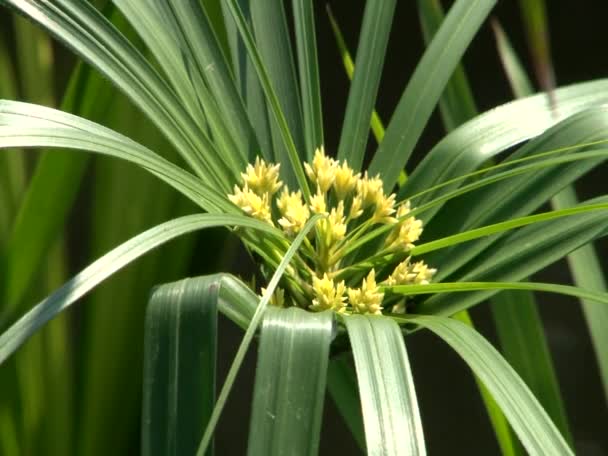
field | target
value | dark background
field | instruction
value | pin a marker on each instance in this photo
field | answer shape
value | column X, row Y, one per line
column 454, row 418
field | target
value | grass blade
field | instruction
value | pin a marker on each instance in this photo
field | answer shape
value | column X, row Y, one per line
column 290, row 376
column 248, row 83
column 426, row 86
column 449, row 287
column 90, row 35
column 523, row 344
column 528, row 419
column 273, row 42
column 456, row 103
column 518, row 79
column 25, row 125
column 271, row 97
column 104, row 267
column 516, row 317
column 308, row 66
column 179, row 365
column 373, row 40
column 213, row 66
column 388, row 398
column 349, row 67
column 504, row 226
column 251, row 329
column 465, row 150
column 584, row 262
column 508, row 261
column 508, row 443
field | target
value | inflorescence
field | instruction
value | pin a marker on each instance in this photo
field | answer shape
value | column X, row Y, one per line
column 331, row 274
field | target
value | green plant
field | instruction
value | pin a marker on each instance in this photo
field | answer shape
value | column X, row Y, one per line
column 219, row 114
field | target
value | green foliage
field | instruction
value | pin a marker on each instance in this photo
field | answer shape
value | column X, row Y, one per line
column 219, row 85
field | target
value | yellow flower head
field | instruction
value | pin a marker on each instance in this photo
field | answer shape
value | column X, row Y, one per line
column 348, row 201
column 262, row 177
column 355, row 208
column 369, row 188
column 278, row 297
column 333, row 227
column 318, row 204
column 328, row 295
column 407, row 273
column 294, row 212
column 323, row 170
column 406, row 232
column 251, row 203
column 367, row 299
column 345, row 180
column 385, row 208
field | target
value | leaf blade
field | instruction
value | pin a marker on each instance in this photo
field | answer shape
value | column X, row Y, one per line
column 530, row 422
column 388, row 397
column 290, row 377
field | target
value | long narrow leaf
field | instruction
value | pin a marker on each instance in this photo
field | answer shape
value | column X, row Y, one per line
column 465, row 150
column 179, row 365
column 388, row 398
column 91, row 36
column 273, row 42
column 101, row 269
column 248, row 337
column 523, row 344
column 528, row 419
column 308, row 68
column 584, row 262
column 425, row 87
column 456, row 103
column 271, row 96
column 507, row 260
column 373, row 40
column 290, row 382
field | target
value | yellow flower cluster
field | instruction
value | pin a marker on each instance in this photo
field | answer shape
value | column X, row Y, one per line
column 352, row 205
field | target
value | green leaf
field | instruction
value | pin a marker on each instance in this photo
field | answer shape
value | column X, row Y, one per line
column 308, row 66
column 523, row 194
column 25, row 125
column 456, row 103
column 273, row 42
column 448, row 287
column 271, row 96
column 192, row 61
column 528, row 419
column 104, row 267
column 587, row 272
column 509, row 446
column 34, row 54
column 388, row 398
column 518, row 79
column 290, row 382
column 523, row 344
column 516, row 317
column 251, row 329
column 426, row 86
column 213, row 66
column 465, row 150
column 90, row 35
column 373, row 40
column 349, row 67
column 179, row 365
column 544, row 244
column 504, row 226
column 247, row 82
